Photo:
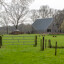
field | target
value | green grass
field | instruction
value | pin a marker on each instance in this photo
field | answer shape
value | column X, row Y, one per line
column 28, row 54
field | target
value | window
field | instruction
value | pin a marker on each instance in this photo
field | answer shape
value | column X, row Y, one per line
column 48, row 30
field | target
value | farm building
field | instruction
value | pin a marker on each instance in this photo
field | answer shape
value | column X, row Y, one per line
column 46, row 25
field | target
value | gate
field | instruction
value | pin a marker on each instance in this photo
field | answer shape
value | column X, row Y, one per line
column 18, row 41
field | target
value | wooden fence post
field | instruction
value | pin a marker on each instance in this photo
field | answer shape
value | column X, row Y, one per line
column 43, row 43
column 0, row 41
column 49, row 43
column 35, row 41
column 56, row 49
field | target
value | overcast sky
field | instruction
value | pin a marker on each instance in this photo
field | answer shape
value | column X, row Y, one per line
column 56, row 4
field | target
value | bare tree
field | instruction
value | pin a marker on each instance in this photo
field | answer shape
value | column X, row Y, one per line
column 62, row 26
column 17, row 11
column 43, row 11
column 4, row 20
column 17, row 14
column 59, row 18
column 3, row 15
column 1, row 1
column 34, row 15
column 23, row 2
column 46, row 12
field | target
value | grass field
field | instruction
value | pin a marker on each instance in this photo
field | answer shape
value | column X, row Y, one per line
column 28, row 54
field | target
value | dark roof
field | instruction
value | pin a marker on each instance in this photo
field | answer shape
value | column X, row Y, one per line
column 42, row 24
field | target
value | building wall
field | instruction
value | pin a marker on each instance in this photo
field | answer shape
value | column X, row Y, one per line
column 53, row 28
column 38, row 31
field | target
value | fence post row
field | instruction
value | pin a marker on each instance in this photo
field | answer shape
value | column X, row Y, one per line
column 35, row 41
column 56, row 49
column 0, row 41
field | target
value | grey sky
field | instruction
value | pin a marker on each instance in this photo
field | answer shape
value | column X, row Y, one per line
column 56, row 4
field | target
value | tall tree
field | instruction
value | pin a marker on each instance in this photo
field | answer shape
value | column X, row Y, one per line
column 17, row 11
column 17, row 14
column 46, row 12
column 59, row 18
column 34, row 15
column 62, row 26
column 4, row 20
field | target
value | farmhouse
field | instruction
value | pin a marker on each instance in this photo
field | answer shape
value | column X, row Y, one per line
column 46, row 25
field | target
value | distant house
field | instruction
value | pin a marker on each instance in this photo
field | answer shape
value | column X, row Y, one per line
column 46, row 25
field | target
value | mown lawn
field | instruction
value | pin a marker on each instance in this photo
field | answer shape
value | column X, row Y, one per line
column 28, row 54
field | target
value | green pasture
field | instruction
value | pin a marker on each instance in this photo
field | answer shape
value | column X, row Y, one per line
column 17, row 51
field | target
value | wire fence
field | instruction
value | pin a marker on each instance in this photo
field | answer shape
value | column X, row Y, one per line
column 43, row 42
